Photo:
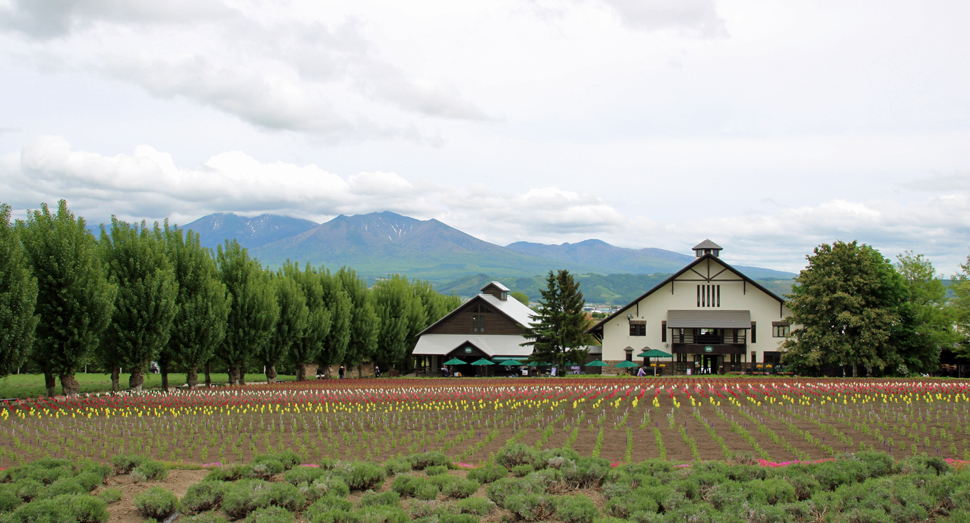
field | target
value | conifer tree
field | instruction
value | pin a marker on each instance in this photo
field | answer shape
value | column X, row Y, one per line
column 558, row 331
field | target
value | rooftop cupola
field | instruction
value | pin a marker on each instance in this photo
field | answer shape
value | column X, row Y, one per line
column 707, row 247
column 496, row 289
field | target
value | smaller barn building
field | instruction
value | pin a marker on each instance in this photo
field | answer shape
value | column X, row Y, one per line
column 489, row 326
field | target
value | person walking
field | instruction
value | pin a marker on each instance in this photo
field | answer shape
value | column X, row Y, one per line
column 641, row 373
column 340, row 372
column 377, row 371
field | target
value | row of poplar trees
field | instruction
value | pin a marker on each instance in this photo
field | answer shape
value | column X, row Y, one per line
column 140, row 294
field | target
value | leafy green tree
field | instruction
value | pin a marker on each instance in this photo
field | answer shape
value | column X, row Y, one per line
column 339, row 306
column 927, row 317
column 364, row 322
column 145, row 302
column 558, row 331
column 846, row 308
column 308, row 346
column 960, row 309
column 18, row 298
column 401, row 312
column 290, row 325
column 522, row 297
column 252, row 313
column 203, row 305
column 74, row 298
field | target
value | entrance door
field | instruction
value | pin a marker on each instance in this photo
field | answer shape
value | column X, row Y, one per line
column 711, row 364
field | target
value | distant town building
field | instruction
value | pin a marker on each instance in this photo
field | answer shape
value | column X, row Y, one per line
column 709, row 316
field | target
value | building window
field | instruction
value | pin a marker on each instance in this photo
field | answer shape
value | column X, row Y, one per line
column 478, row 323
column 708, row 295
column 780, row 329
column 754, row 332
column 663, row 332
column 638, row 328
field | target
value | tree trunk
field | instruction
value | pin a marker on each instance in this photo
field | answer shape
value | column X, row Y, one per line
column 208, row 374
column 69, row 385
column 301, row 372
column 233, row 376
column 855, row 370
column 192, row 377
column 136, row 379
column 49, row 382
column 241, row 375
column 360, row 371
column 163, row 370
column 271, row 374
column 115, row 379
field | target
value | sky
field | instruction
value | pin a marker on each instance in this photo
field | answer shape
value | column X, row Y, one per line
column 768, row 127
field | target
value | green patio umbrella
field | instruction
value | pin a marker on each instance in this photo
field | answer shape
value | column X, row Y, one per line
column 454, row 361
column 482, row 361
column 597, row 363
column 510, row 363
column 625, row 365
column 653, row 353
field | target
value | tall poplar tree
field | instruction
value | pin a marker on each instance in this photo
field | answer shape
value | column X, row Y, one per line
column 307, row 347
column 253, row 311
column 400, row 311
column 145, row 303
column 74, row 298
column 18, row 298
column 558, row 332
column 364, row 322
column 203, row 303
column 290, row 325
column 338, row 305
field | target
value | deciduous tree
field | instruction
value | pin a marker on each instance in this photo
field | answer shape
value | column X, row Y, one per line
column 927, row 319
column 145, row 302
column 74, row 298
column 307, row 347
column 203, row 303
column 846, row 308
column 338, row 305
column 364, row 322
column 290, row 325
column 18, row 298
column 252, row 313
column 558, row 331
column 401, row 313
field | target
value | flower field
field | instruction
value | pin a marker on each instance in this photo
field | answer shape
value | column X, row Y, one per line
column 622, row 420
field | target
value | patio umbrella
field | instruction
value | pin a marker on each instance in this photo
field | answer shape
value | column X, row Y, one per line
column 510, row 363
column 454, row 361
column 653, row 353
column 482, row 361
column 597, row 363
column 625, row 365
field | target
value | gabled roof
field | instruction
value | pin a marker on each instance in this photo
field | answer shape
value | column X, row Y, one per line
column 513, row 309
column 599, row 326
column 492, row 345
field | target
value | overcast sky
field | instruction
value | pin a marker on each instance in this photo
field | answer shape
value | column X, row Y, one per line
column 768, row 127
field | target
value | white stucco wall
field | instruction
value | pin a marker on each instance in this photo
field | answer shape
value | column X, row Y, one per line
column 653, row 309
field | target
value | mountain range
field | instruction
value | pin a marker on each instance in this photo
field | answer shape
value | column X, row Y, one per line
column 383, row 243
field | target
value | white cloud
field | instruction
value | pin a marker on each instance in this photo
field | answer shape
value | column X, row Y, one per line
column 149, row 184
column 696, row 16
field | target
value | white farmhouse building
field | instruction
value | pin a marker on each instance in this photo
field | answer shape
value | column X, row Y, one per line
column 709, row 316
